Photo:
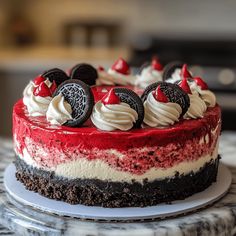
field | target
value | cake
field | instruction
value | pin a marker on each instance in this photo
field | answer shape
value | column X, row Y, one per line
column 101, row 144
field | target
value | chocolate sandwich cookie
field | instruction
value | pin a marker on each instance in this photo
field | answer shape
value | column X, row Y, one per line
column 84, row 72
column 130, row 97
column 80, row 97
column 170, row 68
column 55, row 74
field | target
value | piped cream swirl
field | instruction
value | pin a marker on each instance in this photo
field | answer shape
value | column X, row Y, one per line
column 104, row 78
column 59, row 111
column 28, row 91
column 175, row 77
column 158, row 114
column 121, row 79
column 197, row 107
column 38, row 106
column 113, row 116
column 207, row 96
column 148, row 76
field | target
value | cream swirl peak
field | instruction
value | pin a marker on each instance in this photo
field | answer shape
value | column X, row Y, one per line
column 199, row 86
column 110, row 114
column 159, row 112
column 197, row 105
column 120, row 73
column 37, row 96
column 150, row 74
column 104, row 78
column 59, row 111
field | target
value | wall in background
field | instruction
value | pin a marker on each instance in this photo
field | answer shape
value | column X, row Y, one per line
column 155, row 16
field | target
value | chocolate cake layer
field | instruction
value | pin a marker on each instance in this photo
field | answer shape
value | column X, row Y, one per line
column 94, row 192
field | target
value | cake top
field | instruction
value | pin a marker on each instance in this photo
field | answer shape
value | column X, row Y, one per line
column 168, row 95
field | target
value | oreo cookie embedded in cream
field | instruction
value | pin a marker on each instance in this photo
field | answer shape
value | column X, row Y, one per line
column 170, row 68
column 80, row 97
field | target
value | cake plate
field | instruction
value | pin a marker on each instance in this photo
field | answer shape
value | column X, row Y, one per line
column 19, row 194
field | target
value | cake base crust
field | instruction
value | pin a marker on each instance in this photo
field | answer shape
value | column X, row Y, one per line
column 94, row 192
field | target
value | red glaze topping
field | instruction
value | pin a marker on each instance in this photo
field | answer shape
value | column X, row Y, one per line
column 38, row 80
column 156, row 65
column 159, row 95
column 201, row 83
column 42, row 90
column 184, row 85
column 121, row 66
column 110, row 98
column 100, row 68
column 184, row 72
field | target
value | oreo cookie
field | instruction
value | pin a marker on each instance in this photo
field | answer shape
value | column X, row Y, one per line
column 149, row 89
column 84, row 72
column 130, row 97
column 144, row 65
column 172, row 91
column 55, row 74
column 170, row 68
column 80, row 97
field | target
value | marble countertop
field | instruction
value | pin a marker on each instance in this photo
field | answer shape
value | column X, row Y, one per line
column 219, row 219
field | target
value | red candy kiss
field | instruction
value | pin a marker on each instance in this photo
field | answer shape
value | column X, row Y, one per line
column 156, row 65
column 110, row 98
column 42, row 90
column 202, row 84
column 121, row 66
column 38, row 80
column 184, row 85
column 159, row 95
column 184, row 72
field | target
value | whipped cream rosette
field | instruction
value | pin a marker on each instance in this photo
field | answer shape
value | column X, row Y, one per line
column 37, row 96
column 150, row 74
column 121, row 74
column 197, row 105
column 104, row 78
column 200, row 86
column 159, row 112
column 110, row 113
column 59, row 110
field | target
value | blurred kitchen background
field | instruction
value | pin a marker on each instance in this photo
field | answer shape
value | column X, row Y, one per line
column 39, row 35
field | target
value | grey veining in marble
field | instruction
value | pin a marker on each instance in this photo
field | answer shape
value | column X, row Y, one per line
column 219, row 219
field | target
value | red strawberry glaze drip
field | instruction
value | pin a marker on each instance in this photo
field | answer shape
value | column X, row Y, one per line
column 162, row 147
column 184, row 85
column 159, row 95
column 38, row 80
column 156, row 65
column 121, row 66
column 201, row 83
column 184, row 72
column 42, row 90
column 110, row 98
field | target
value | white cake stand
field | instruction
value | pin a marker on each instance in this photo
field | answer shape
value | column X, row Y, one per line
column 200, row 200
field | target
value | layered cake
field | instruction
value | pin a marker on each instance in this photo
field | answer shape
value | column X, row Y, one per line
column 109, row 138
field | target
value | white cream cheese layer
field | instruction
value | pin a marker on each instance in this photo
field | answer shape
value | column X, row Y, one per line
column 97, row 169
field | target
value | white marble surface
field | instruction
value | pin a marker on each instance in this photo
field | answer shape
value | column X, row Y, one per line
column 219, row 219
